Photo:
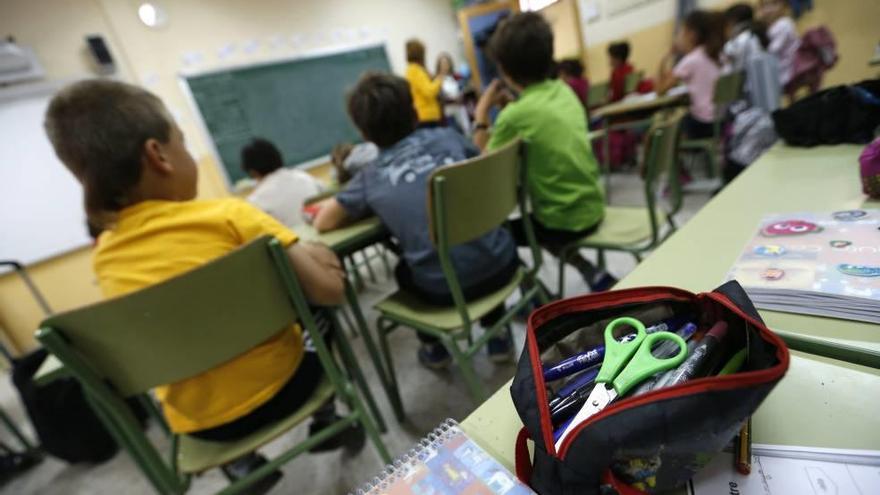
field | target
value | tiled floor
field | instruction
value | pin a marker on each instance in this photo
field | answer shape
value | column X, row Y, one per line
column 428, row 396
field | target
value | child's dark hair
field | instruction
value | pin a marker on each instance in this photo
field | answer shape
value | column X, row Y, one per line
column 571, row 67
column 261, row 156
column 337, row 157
column 743, row 14
column 98, row 128
column 708, row 27
column 619, row 50
column 381, row 107
column 523, row 47
column 415, row 51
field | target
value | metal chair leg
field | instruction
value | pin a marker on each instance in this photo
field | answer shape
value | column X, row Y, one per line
column 563, row 255
column 465, row 364
column 350, row 328
column 353, row 368
column 386, row 375
column 15, row 431
column 391, row 387
column 366, row 261
column 383, row 253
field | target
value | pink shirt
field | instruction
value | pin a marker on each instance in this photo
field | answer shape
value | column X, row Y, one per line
column 699, row 73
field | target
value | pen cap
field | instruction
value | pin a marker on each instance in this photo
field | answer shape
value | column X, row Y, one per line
column 718, row 331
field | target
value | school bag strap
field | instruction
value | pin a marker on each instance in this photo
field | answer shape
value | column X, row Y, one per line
column 521, row 456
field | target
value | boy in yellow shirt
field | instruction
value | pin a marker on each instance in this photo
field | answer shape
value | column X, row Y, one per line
column 139, row 184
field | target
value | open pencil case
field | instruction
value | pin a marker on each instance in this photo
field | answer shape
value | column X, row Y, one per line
column 657, row 440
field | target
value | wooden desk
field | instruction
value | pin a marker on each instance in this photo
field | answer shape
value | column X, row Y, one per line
column 628, row 115
column 821, row 402
column 629, row 108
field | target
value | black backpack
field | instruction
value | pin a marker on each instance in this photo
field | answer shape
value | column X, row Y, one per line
column 65, row 423
column 842, row 114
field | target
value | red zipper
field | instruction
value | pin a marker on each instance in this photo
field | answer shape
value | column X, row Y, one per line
column 565, row 306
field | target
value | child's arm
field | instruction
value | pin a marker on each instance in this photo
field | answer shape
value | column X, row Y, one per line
column 481, row 114
column 423, row 84
column 330, row 216
column 666, row 79
column 319, row 271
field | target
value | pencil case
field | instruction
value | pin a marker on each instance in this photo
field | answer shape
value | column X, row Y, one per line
column 656, row 440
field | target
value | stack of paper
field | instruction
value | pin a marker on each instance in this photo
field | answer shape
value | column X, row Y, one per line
column 825, row 264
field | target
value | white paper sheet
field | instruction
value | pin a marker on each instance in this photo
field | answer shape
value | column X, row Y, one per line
column 787, row 476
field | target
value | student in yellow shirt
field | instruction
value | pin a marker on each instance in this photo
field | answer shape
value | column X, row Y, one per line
column 425, row 91
column 139, row 184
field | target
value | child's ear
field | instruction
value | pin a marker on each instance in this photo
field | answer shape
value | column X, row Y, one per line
column 156, row 157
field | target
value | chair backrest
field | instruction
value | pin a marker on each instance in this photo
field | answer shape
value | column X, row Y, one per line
column 631, row 83
column 661, row 156
column 729, row 88
column 597, row 94
column 471, row 198
column 183, row 326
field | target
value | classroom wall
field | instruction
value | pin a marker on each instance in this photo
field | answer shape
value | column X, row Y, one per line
column 650, row 32
column 199, row 35
column 564, row 19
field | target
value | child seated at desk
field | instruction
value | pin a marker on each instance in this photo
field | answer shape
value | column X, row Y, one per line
column 572, row 72
column 701, row 39
column 348, row 159
column 280, row 191
column 567, row 200
column 618, row 55
column 139, row 184
column 395, row 186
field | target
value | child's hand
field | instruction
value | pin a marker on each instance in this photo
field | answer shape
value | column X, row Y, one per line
column 324, row 257
column 487, row 99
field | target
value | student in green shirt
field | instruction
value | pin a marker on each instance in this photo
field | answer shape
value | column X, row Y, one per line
column 567, row 199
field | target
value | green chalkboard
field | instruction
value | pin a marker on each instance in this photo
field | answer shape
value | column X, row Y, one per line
column 298, row 104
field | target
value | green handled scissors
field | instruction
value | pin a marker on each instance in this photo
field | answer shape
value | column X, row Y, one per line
column 626, row 364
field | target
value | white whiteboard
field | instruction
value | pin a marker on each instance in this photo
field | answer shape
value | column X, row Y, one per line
column 41, row 209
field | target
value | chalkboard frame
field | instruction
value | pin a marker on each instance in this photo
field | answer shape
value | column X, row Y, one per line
column 184, row 76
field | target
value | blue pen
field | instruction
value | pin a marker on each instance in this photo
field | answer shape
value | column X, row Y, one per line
column 594, row 356
column 573, row 364
column 558, row 432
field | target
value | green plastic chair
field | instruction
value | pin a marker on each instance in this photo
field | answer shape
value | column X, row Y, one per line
column 728, row 89
column 597, row 95
column 182, row 327
column 631, row 83
column 466, row 200
column 637, row 229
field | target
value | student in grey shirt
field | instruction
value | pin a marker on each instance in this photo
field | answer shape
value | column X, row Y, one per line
column 394, row 187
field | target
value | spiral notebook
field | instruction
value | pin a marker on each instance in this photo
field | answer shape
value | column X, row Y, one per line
column 445, row 462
